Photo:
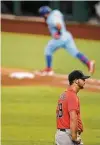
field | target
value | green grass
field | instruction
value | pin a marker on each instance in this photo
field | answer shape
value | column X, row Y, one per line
column 28, row 115
column 27, row 51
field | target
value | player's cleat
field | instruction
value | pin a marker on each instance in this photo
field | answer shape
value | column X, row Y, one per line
column 45, row 72
column 92, row 67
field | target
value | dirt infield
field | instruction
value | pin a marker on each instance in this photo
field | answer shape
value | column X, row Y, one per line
column 18, row 77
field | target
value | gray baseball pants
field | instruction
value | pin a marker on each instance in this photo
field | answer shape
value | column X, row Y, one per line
column 64, row 138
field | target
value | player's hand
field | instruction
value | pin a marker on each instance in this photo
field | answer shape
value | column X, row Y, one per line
column 56, row 35
column 77, row 141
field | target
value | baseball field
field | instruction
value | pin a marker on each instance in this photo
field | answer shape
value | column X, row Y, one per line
column 28, row 110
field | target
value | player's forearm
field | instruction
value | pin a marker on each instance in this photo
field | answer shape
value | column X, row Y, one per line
column 58, row 33
column 73, row 125
column 58, row 26
column 80, row 125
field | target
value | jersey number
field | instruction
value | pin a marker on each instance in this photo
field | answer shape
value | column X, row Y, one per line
column 60, row 111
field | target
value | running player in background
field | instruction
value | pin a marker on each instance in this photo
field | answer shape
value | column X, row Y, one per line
column 61, row 38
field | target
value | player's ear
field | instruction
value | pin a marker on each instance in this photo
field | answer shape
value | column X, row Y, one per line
column 76, row 81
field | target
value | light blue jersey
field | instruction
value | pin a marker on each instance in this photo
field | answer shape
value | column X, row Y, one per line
column 65, row 40
column 56, row 17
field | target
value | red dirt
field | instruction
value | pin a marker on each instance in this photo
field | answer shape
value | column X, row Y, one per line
column 37, row 26
column 56, row 80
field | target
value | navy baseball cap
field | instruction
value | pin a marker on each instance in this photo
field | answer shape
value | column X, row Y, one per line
column 44, row 10
column 76, row 74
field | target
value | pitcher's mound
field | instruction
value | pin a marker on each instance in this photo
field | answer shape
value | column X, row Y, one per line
column 14, row 77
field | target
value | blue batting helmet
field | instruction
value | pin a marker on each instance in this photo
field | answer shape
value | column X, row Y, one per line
column 44, row 10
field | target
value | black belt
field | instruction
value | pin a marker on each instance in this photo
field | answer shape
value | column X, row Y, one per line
column 64, row 130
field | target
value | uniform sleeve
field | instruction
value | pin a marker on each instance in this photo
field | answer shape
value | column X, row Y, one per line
column 72, row 103
column 57, row 20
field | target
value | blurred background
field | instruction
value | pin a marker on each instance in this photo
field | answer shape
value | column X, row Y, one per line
column 73, row 10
